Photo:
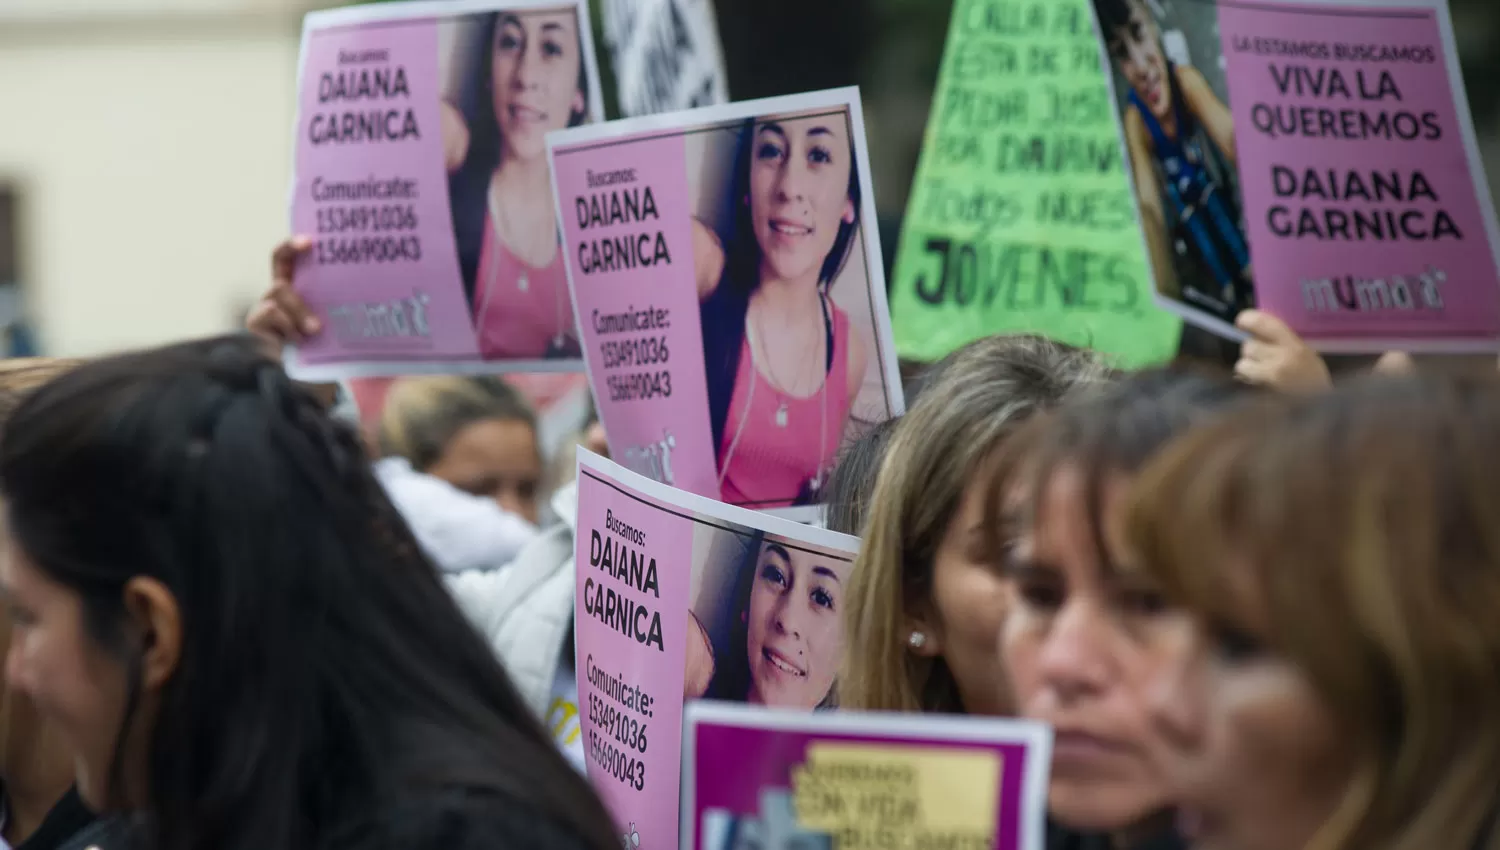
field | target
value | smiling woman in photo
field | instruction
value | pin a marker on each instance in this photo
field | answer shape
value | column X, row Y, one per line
column 783, row 364
column 531, row 79
column 788, row 635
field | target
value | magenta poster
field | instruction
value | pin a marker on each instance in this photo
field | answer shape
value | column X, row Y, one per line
column 421, row 178
column 1315, row 159
column 848, row 781
column 680, row 598
column 725, row 268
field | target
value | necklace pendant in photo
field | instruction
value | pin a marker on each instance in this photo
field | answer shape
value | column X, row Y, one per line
column 523, row 282
column 781, row 416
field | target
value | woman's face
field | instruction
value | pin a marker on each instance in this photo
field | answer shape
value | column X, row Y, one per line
column 534, row 78
column 1136, row 49
column 799, row 191
column 1078, row 642
column 497, row 459
column 969, row 601
column 76, row 685
column 795, row 636
column 1253, row 757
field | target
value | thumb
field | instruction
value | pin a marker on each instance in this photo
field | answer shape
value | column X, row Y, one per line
column 1266, row 327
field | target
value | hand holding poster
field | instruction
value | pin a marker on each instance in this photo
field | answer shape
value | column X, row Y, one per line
column 1314, row 158
column 1021, row 217
column 421, row 174
column 728, row 282
column 855, row 780
column 681, row 597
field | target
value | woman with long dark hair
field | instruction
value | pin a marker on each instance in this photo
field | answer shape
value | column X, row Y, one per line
column 532, row 79
column 238, row 637
column 784, row 366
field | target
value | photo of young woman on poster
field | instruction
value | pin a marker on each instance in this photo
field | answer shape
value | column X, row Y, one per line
column 527, row 75
column 1180, row 140
column 784, row 364
column 777, row 605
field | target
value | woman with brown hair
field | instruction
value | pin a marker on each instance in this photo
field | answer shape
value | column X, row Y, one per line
column 1336, row 684
column 922, row 607
column 1082, row 629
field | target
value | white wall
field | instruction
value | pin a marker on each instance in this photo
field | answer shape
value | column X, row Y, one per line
column 153, row 152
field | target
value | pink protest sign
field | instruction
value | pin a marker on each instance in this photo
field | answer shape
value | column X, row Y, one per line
column 681, row 598
column 1311, row 158
column 851, row 779
column 726, row 272
column 421, row 178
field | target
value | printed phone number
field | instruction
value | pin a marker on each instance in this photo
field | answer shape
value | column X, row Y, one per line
column 619, row 725
column 640, row 386
column 648, row 351
column 367, row 218
column 367, row 249
column 629, row 771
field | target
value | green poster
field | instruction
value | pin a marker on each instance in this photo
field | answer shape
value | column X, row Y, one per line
column 1020, row 216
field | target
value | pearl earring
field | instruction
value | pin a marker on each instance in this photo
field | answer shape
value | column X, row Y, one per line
column 917, row 640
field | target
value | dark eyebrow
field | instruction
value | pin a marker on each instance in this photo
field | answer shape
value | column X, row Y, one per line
column 552, row 26
column 779, row 551
column 826, row 572
column 772, row 127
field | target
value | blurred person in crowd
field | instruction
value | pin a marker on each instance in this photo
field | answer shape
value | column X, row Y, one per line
column 39, row 807
column 476, row 433
column 923, row 606
column 1082, row 631
column 532, row 79
column 783, row 363
column 1336, row 566
column 851, row 485
column 233, row 630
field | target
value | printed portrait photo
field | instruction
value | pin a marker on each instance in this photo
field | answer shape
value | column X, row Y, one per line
column 787, row 302
column 510, row 77
column 1172, row 93
column 766, row 624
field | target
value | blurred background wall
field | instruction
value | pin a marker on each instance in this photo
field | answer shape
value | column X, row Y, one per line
column 145, row 145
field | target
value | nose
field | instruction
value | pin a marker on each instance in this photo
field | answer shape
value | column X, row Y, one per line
column 1075, row 657
column 1175, row 693
column 783, row 619
column 513, row 502
column 790, row 185
column 526, row 68
column 14, row 676
column 1137, row 58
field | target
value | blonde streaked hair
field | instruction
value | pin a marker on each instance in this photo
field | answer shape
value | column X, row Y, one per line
column 967, row 406
column 421, row 415
column 1367, row 521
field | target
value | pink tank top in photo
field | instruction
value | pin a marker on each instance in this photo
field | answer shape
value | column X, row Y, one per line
column 772, row 448
column 521, row 312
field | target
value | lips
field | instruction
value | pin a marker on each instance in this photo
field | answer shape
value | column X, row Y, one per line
column 786, row 227
column 526, row 114
column 1078, row 749
column 782, row 663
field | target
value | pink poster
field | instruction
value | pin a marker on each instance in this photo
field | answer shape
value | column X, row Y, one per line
column 726, row 271
column 1315, row 159
column 421, row 179
column 682, row 598
column 832, row 781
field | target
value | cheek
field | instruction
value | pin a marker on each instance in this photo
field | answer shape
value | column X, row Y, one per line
column 1021, row 637
column 971, row 601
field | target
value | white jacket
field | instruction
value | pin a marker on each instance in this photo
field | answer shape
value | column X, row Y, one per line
column 459, row 531
column 526, row 609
